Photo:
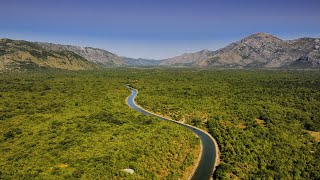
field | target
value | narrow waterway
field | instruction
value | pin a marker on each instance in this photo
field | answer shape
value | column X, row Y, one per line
column 206, row 165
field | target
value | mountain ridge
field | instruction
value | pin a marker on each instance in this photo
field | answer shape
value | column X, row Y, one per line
column 259, row 50
column 20, row 55
column 185, row 59
column 96, row 55
column 141, row 61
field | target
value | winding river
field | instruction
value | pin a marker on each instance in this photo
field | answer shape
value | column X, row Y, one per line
column 209, row 148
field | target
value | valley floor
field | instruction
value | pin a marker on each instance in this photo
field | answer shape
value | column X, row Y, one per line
column 76, row 124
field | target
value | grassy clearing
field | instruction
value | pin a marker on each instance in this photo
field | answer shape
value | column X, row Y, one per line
column 315, row 134
column 260, row 122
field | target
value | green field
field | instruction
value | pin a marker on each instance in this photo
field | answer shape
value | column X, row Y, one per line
column 62, row 125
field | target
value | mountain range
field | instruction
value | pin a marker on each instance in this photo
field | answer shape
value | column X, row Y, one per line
column 95, row 55
column 141, row 62
column 258, row 50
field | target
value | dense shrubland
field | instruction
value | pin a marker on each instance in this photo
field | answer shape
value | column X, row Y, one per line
column 69, row 125
column 61, row 125
column 259, row 118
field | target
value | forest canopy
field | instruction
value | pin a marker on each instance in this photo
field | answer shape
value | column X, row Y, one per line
column 260, row 118
column 66, row 125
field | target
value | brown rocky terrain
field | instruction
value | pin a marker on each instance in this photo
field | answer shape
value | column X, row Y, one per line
column 17, row 55
column 98, row 56
column 257, row 50
column 186, row 59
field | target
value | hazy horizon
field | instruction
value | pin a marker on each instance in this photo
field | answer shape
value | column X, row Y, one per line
column 156, row 30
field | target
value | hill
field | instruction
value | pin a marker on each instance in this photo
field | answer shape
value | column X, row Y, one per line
column 96, row 55
column 18, row 55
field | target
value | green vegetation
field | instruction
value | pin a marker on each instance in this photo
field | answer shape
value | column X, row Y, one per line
column 70, row 125
column 259, row 118
column 62, row 125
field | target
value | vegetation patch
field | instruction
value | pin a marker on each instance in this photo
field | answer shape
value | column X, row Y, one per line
column 230, row 124
column 260, row 122
column 62, row 165
column 68, row 125
column 314, row 134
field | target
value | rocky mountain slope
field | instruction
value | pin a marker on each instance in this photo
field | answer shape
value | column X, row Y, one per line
column 98, row 56
column 141, row 62
column 257, row 50
column 17, row 55
column 186, row 59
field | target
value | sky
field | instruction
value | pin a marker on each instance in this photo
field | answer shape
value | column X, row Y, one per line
column 156, row 29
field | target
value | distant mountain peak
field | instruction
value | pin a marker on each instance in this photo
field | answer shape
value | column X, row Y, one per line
column 260, row 36
column 205, row 51
column 141, row 61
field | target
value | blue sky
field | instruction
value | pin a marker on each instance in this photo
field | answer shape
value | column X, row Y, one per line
column 156, row 29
